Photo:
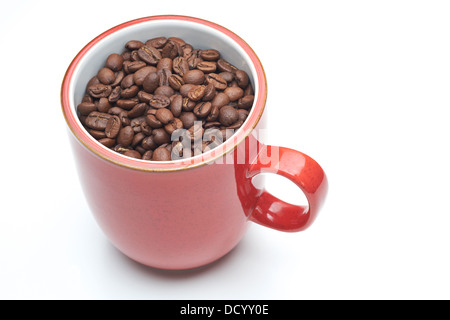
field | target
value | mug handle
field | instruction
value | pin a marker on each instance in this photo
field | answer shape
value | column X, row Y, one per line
column 300, row 169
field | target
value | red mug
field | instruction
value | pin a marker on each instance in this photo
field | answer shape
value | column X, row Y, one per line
column 190, row 212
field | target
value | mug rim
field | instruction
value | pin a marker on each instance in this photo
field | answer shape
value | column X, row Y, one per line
column 162, row 166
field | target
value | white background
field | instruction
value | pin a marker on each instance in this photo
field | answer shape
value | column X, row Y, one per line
column 361, row 86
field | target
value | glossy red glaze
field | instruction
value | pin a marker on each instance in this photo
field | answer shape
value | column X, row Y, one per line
column 184, row 215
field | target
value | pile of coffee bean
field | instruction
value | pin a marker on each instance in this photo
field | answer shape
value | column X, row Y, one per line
column 142, row 98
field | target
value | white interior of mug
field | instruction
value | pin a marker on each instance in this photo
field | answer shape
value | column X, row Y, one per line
column 200, row 36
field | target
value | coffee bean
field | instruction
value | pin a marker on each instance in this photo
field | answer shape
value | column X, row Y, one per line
column 157, row 43
column 97, row 134
column 85, row 108
column 115, row 94
column 139, row 75
column 210, row 55
column 106, row 76
column 217, row 81
column 159, row 101
column 228, row 115
column 147, row 155
column 246, row 102
column 194, row 77
column 175, row 81
column 153, row 122
column 165, row 63
column 134, row 45
column 164, row 91
column 227, row 76
column 185, row 88
column 97, row 120
column 210, row 92
column 99, row 90
column 161, row 154
column 176, row 105
column 180, row 66
column 127, row 104
column 134, row 66
column 224, row 65
column 114, row 62
column 196, row 93
column 113, row 127
column 241, row 78
column 160, row 136
column 188, row 119
column 125, row 136
column 164, row 75
column 164, row 115
column 173, row 125
column 107, row 142
column 149, row 54
column 202, row 109
column 234, row 93
column 138, row 110
column 129, row 92
column 132, row 154
column 220, row 100
column 151, row 82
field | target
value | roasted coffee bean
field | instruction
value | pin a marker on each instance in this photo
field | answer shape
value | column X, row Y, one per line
column 125, row 136
column 151, row 82
column 161, row 154
column 185, row 88
column 139, row 98
column 164, row 75
column 132, row 154
column 85, row 108
column 97, row 134
column 196, row 93
column 114, row 62
column 241, row 78
column 147, row 155
column 207, row 66
column 210, row 55
column 113, row 127
column 164, row 115
column 170, row 50
column 153, row 122
column 159, row 101
column 227, row 76
column 149, row 54
column 127, row 81
column 157, row 43
column 160, row 136
column 138, row 110
column 194, row 77
column 106, row 76
column 129, row 92
column 228, row 115
column 173, row 125
column 175, row 81
column 234, row 93
column 217, row 81
column 99, row 90
column 107, row 142
column 115, row 94
column 139, row 75
column 202, row 109
column 164, row 91
column 180, row 66
column 134, row 45
column 134, row 66
column 188, row 104
column 126, row 104
column 97, row 120
column 223, row 65
column 220, row 100
column 246, row 102
column 165, row 63
column 103, row 105
column 144, row 96
column 188, row 119
column 210, row 92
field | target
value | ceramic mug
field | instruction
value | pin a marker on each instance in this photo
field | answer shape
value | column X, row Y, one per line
column 190, row 212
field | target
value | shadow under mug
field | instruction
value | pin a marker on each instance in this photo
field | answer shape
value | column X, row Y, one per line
column 190, row 212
